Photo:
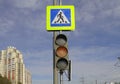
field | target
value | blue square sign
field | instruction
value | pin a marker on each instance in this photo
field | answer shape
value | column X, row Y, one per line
column 60, row 17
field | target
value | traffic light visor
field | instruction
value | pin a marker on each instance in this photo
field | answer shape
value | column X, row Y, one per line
column 61, row 40
column 61, row 51
column 62, row 64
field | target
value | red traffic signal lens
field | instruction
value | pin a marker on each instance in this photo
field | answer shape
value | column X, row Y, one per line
column 61, row 40
column 62, row 64
column 61, row 51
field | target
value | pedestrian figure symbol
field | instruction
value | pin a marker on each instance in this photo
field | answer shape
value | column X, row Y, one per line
column 60, row 18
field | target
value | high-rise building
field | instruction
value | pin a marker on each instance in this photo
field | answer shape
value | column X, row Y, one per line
column 13, row 67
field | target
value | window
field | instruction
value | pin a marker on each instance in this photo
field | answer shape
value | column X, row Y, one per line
column 13, row 61
column 18, row 56
column 13, row 74
column 9, row 75
column 9, row 61
column 9, row 54
column 5, row 61
column 0, row 57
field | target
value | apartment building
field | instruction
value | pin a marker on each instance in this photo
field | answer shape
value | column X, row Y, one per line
column 13, row 67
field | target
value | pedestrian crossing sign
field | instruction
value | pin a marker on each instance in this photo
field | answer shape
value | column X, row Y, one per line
column 60, row 18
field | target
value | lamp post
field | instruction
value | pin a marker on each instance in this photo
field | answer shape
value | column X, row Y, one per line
column 118, row 63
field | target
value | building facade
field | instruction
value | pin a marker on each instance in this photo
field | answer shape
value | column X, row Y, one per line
column 13, row 67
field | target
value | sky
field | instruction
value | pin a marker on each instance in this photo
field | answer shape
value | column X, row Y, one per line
column 94, row 45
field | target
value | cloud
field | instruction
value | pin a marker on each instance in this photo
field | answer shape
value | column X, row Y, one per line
column 22, row 22
column 23, row 13
column 1, row 1
column 30, row 4
column 97, row 18
column 39, row 58
column 36, row 22
column 24, row 3
column 96, row 10
column 94, row 53
column 116, row 11
column 5, row 25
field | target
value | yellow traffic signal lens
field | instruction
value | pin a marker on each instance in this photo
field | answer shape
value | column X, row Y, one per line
column 61, row 40
column 61, row 51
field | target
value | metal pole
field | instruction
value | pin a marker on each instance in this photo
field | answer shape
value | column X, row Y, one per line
column 60, row 2
column 61, row 77
column 55, row 73
column 54, row 2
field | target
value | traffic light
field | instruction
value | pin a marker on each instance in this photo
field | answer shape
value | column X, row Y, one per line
column 61, row 52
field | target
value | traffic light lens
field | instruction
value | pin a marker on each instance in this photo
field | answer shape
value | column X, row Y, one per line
column 61, row 40
column 62, row 64
column 61, row 51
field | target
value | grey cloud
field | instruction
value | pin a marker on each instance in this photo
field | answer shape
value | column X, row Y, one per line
column 5, row 25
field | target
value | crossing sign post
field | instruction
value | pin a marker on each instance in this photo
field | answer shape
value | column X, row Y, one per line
column 60, row 18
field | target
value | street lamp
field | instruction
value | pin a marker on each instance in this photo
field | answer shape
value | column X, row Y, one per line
column 118, row 63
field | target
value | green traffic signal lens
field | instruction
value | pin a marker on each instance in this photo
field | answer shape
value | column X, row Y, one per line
column 62, row 64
